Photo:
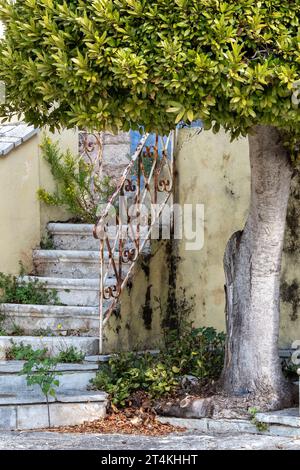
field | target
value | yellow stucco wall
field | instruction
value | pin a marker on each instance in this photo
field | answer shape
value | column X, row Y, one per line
column 23, row 217
column 19, row 207
column 214, row 172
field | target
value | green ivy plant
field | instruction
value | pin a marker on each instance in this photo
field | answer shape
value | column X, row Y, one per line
column 79, row 188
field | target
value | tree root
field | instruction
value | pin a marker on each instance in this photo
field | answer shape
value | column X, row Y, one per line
column 226, row 407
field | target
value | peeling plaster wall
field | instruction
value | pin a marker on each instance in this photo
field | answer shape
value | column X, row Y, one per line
column 138, row 326
column 214, row 172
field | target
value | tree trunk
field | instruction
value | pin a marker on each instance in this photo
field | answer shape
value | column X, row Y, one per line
column 252, row 265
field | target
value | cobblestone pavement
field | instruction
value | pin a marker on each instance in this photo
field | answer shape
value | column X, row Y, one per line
column 187, row 441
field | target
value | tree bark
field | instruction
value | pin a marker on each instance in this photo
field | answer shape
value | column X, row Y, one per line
column 252, row 265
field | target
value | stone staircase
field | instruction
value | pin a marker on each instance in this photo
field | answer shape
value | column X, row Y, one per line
column 74, row 273
column 72, row 268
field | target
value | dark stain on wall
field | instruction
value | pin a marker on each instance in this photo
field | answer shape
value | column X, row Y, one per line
column 290, row 293
column 147, row 310
column 292, row 232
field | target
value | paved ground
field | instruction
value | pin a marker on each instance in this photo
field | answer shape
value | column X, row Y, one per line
column 187, row 441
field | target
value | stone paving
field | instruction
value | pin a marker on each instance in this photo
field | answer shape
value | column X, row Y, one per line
column 187, row 441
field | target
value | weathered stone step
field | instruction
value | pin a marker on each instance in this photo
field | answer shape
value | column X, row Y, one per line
column 81, row 321
column 80, row 236
column 84, row 292
column 26, row 411
column 241, row 426
column 71, row 377
column 73, row 236
column 69, row 263
column 89, row 346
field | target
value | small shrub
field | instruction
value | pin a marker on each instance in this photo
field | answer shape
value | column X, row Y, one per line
column 79, row 188
column 198, row 352
column 128, row 372
column 70, row 355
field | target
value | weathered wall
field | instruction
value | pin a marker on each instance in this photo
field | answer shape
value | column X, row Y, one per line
column 290, row 286
column 143, row 303
column 214, row 172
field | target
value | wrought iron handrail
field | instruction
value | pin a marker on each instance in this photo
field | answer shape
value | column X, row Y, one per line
column 147, row 180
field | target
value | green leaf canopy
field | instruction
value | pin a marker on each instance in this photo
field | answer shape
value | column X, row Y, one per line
column 107, row 64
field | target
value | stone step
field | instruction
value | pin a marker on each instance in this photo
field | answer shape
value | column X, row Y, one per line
column 79, row 321
column 287, row 421
column 26, row 411
column 239, row 426
column 71, row 377
column 83, row 292
column 89, row 346
column 70, row 264
column 80, row 236
column 73, row 236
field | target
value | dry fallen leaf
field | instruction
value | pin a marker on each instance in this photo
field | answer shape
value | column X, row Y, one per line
column 129, row 421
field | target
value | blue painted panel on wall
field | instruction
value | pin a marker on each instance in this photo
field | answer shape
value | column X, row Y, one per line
column 135, row 136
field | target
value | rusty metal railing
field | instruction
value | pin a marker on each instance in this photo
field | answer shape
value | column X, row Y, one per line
column 126, row 222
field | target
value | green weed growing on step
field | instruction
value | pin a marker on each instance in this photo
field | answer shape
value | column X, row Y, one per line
column 261, row 427
column 15, row 290
column 42, row 371
column 43, row 332
column 24, row 352
column 193, row 351
column 47, row 243
column 70, row 355
column 17, row 330
column 79, row 188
